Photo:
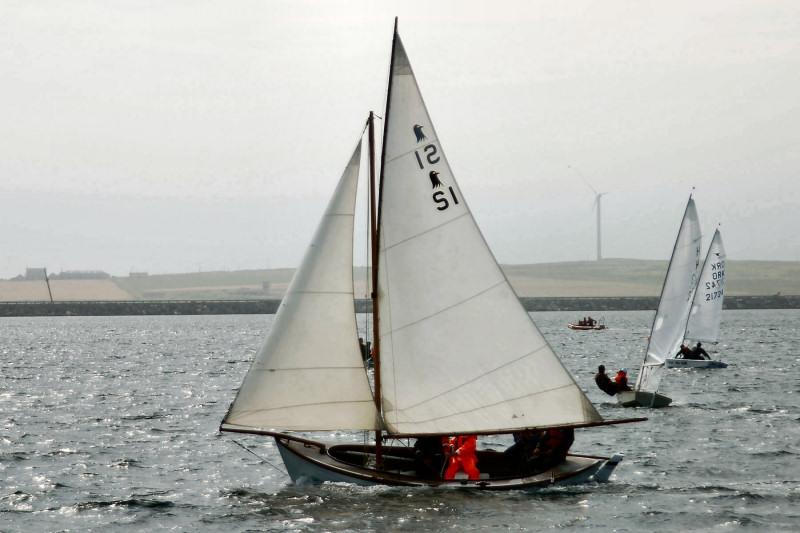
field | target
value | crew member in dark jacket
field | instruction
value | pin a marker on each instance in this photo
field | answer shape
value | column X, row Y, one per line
column 604, row 382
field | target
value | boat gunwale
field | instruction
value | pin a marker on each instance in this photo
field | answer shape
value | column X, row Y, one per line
column 328, row 462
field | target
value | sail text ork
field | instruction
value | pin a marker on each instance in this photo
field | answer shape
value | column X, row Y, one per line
column 714, row 289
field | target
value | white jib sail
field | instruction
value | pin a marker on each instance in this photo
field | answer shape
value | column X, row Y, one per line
column 676, row 298
column 459, row 353
column 706, row 312
column 308, row 374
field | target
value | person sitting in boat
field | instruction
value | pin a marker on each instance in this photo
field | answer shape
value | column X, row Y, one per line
column 517, row 455
column 553, row 448
column 591, row 321
column 461, row 456
column 621, row 380
column 699, row 353
column 604, row 382
column 428, row 457
column 364, row 350
column 684, row 352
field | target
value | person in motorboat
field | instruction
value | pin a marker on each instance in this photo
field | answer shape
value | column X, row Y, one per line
column 699, row 353
column 622, row 379
column 591, row 321
column 604, row 382
column 460, row 452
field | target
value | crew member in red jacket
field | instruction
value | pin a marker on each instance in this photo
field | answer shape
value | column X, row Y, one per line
column 461, row 452
column 622, row 380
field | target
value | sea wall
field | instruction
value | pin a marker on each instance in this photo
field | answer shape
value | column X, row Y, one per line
column 248, row 307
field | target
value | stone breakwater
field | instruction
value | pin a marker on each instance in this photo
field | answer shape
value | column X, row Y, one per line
column 249, row 307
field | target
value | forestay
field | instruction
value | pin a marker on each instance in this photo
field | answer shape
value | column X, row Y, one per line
column 459, row 354
column 308, row 374
column 706, row 312
column 673, row 306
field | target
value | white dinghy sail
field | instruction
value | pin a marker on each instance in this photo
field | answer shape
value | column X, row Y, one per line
column 670, row 319
column 455, row 351
column 706, row 312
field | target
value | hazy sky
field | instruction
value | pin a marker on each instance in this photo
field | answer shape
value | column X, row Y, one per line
column 204, row 135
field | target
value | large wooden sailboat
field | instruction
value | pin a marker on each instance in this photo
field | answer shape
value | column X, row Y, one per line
column 455, row 353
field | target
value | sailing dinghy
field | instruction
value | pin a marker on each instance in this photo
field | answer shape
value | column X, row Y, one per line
column 672, row 313
column 455, row 352
column 706, row 312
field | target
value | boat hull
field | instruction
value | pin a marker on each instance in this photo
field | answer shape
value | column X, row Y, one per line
column 308, row 462
column 642, row 399
column 586, row 328
column 694, row 363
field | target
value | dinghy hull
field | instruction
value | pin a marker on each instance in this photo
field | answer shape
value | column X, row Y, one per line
column 308, row 462
column 642, row 399
column 694, row 363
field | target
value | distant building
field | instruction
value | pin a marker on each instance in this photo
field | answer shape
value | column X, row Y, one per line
column 81, row 274
column 137, row 275
column 35, row 274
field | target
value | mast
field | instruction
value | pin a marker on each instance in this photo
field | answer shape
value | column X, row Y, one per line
column 376, row 358
column 373, row 220
column 648, row 368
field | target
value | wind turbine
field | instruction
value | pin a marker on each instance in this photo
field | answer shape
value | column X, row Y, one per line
column 597, row 197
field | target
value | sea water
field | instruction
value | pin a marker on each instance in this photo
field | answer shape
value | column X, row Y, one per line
column 111, row 423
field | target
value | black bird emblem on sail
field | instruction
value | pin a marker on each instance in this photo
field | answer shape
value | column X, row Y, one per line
column 418, row 132
column 434, row 176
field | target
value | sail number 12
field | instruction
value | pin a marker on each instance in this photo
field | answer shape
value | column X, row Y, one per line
column 440, row 198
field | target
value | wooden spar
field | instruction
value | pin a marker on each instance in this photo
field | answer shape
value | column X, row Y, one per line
column 535, row 428
column 276, row 434
column 376, row 358
column 257, row 431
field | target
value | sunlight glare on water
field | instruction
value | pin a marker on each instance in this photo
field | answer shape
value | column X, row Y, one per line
column 112, row 423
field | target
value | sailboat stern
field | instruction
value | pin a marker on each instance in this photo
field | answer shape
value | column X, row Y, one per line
column 640, row 398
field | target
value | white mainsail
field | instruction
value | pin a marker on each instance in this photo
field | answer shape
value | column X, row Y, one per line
column 308, row 374
column 669, row 323
column 459, row 354
column 706, row 310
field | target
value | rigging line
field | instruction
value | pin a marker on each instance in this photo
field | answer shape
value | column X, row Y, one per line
column 245, row 448
column 356, row 403
column 398, row 156
column 438, row 396
column 429, row 230
column 454, row 305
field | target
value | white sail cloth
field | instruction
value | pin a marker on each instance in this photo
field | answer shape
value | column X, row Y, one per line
column 706, row 313
column 459, row 354
column 309, row 374
column 669, row 323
